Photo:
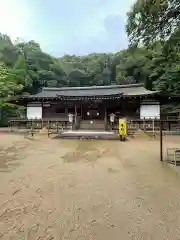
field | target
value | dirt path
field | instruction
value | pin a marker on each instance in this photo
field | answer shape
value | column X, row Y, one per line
column 63, row 189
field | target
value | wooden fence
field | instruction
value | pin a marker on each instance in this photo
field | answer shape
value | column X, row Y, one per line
column 57, row 125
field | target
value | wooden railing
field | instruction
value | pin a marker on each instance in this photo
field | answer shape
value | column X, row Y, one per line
column 169, row 124
column 39, row 124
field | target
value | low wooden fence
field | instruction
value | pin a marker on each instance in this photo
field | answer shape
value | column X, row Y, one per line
column 52, row 126
column 154, row 124
column 151, row 126
column 57, row 125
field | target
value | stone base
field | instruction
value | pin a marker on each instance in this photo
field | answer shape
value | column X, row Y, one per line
column 88, row 135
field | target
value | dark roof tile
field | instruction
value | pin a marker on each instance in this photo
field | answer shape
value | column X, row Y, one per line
column 114, row 90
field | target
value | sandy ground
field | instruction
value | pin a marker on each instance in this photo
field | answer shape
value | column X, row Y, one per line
column 68, row 189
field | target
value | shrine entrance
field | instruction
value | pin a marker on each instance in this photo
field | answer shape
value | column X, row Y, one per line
column 92, row 115
column 92, row 110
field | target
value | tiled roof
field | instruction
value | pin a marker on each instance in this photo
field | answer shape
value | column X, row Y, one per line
column 94, row 91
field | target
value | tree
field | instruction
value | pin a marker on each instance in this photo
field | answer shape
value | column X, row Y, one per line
column 8, row 87
column 151, row 20
column 8, row 52
column 24, row 67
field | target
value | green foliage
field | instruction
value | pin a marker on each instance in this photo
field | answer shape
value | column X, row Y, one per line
column 9, row 86
column 156, row 25
column 151, row 20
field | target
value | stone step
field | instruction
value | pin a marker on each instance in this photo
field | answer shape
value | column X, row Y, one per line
column 80, row 134
column 93, row 124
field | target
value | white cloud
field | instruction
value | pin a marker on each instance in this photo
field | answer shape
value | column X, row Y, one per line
column 14, row 18
column 95, row 22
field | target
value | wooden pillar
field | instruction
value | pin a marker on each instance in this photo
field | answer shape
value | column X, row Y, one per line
column 49, row 122
column 66, row 109
column 105, row 118
column 178, row 119
column 75, row 114
column 161, row 136
column 161, row 141
column 57, row 127
column 42, row 104
column 81, row 111
column 153, row 128
column 32, row 128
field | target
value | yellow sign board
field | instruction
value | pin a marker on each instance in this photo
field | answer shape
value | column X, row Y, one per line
column 122, row 127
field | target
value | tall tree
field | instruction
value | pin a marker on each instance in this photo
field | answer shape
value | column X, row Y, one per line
column 151, row 20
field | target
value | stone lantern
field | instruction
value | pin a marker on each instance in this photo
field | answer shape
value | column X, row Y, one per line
column 112, row 118
column 70, row 116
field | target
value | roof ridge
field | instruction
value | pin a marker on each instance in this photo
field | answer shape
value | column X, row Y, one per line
column 93, row 87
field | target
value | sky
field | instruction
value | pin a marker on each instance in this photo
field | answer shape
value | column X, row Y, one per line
column 69, row 27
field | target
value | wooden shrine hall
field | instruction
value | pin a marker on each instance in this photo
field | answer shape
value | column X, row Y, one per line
column 92, row 107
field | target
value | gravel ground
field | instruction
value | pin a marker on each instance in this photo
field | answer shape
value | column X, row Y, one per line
column 68, row 189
